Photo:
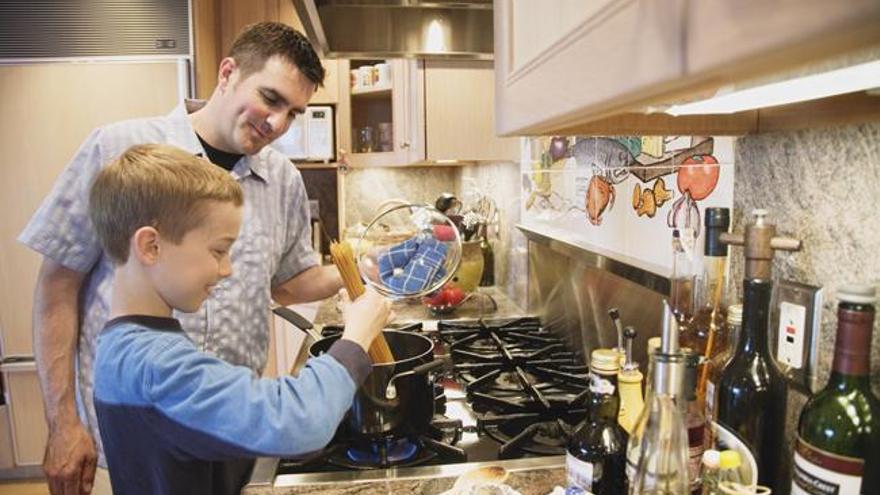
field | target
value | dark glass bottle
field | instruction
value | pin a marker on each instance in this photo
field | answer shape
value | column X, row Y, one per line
column 752, row 390
column 840, row 425
column 596, row 458
column 488, row 278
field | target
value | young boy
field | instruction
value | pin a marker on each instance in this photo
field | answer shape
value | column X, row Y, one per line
column 173, row 419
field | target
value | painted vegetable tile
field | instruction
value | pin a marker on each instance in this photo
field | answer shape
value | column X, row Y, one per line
column 622, row 194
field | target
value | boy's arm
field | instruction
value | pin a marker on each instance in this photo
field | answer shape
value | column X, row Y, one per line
column 213, row 410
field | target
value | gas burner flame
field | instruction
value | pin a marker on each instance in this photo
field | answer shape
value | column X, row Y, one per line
column 395, row 451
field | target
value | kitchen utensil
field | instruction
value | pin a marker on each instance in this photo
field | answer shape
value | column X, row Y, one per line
column 448, row 204
column 420, row 261
column 396, row 396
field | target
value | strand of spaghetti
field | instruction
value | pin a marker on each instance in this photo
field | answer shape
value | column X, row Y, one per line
column 343, row 258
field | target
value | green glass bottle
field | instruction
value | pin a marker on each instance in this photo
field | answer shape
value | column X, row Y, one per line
column 840, row 426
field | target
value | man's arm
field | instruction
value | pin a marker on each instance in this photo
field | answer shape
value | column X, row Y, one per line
column 70, row 452
column 312, row 284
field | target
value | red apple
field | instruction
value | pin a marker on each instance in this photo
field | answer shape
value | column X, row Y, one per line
column 453, row 295
column 435, row 299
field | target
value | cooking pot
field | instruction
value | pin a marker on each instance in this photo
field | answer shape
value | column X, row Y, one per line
column 396, row 396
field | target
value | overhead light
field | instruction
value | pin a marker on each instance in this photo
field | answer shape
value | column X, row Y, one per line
column 435, row 37
column 836, row 82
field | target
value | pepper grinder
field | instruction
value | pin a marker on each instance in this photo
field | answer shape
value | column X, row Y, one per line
column 752, row 390
column 761, row 243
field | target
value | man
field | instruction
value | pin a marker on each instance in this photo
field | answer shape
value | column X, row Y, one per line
column 267, row 79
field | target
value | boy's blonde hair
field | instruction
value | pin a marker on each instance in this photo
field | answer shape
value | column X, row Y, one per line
column 155, row 185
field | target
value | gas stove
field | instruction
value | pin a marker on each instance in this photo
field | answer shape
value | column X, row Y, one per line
column 511, row 389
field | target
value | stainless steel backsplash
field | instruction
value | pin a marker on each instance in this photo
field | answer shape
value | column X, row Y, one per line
column 572, row 290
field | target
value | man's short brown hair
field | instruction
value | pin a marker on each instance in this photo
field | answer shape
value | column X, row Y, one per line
column 259, row 42
column 155, row 185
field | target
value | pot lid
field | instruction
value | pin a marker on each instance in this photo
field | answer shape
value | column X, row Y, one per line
column 409, row 251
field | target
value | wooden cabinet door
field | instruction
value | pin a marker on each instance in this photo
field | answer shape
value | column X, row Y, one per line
column 403, row 106
column 733, row 41
column 556, row 64
column 460, row 121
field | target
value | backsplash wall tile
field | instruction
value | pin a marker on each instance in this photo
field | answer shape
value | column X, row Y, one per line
column 367, row 188
column 819, row 185
column 500, row 181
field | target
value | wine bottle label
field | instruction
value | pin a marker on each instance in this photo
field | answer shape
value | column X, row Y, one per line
column 817, row 472
column 578, row 473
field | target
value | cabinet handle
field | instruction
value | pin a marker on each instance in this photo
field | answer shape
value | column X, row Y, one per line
column 404, row 144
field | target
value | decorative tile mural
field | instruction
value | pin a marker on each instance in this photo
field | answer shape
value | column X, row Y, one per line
column 623, row 196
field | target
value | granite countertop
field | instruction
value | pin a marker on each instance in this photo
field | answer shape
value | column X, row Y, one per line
column 409, row 311
column 524, row 476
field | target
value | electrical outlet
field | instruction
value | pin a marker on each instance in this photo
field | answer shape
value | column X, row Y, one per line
column 792, row 328
column 798, row 319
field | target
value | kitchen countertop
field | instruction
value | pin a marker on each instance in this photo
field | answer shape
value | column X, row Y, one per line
column 408, row 311
column 535, row 476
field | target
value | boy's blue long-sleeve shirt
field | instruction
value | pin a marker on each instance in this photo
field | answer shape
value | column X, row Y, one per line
column 176, row 420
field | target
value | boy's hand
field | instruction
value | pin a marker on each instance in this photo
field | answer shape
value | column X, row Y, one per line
column 365, row 317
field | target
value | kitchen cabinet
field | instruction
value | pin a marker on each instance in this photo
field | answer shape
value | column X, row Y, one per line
column 362, row 111
column 439, row 111
column 459, row 113
column 598, row 68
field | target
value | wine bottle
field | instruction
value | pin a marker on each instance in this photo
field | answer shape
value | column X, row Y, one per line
column 840, row 425
column 706, row 332
column 596, row 455
column 752, row 391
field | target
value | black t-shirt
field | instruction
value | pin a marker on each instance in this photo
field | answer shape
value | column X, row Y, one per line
column 220, row 157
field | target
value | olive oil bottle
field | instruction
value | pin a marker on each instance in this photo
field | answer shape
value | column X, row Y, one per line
column 596, row 458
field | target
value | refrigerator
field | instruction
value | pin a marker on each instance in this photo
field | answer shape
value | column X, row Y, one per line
column 47, row 109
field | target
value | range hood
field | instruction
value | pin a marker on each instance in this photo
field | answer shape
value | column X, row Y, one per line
column 431, row 29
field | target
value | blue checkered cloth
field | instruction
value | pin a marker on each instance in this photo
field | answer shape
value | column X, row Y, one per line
column 413, row 265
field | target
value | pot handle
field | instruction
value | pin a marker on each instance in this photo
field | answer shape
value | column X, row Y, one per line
column 299, row 321
column 391, row 389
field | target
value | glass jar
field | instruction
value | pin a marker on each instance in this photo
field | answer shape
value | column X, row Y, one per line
column 366, row 144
